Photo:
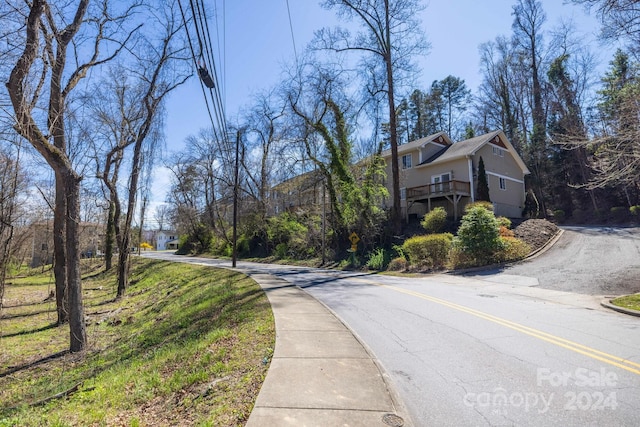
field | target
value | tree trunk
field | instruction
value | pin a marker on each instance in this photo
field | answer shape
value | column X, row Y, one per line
column 143, row 210
column 77, row 327
column 123, row 264
column 396, row 213
column 123, row 268
column 59, row 250
column 110, row 237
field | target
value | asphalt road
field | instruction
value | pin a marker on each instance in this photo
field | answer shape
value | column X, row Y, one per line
column 585, row 260
column 486, row 350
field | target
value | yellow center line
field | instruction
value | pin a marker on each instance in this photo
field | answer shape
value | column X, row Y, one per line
column 610, row 359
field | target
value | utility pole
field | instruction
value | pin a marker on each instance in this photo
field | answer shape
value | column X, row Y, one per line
column 234, row 256
column 324, row 222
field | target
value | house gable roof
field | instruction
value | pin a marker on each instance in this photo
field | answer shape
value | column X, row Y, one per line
column 470, row 147
column 438, row 139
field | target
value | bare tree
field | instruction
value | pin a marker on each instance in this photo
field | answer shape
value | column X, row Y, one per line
column 527, row 36
column 620, row 20
column 265, row 136
column 12, row 183
column 50, row 30
column 161, row 216
column 159, row 65
column 391, row 37
column 496, row 104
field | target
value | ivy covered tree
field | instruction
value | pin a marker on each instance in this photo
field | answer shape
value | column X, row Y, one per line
column 388, row 39
column 354, row 199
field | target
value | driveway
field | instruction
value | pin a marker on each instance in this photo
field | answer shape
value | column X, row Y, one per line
column 585, row 260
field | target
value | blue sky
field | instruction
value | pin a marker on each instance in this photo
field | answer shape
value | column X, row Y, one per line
column 257, row 42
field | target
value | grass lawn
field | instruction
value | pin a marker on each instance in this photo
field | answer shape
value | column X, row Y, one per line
column 187, row 345
column 629, row 301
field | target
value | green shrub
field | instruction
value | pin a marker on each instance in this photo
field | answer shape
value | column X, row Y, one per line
column 503, row 221
column 399, row 251
column 285, row 228
column 281, row 250
column 480, row 203
column 635, row 212
column 352, row 261
column 429, row 251
column 434, row 221
column 378, row 259
column 398, row 264
column 243, row 245
column 458, row 258
column 559, row 215
column 479, row 235
column 618, row 213
column 512, row 249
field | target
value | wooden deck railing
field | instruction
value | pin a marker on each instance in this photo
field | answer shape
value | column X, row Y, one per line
column 439, row 189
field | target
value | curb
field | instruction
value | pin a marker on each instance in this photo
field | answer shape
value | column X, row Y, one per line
column 631, row 312
column 546, row 246
column 532, row 255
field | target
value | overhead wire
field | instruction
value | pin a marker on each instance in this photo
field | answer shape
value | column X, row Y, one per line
column 293, row 39
column 205, row 58
column 209, row 48
column 195, row 61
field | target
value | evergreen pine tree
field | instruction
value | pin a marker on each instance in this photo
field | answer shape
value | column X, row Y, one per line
column 483, row 184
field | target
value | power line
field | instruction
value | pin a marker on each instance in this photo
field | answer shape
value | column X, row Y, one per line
column 195, row 61
column 204, row 59
column 293, row 40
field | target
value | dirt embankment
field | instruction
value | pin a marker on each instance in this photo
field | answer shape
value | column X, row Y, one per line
column 535, row 232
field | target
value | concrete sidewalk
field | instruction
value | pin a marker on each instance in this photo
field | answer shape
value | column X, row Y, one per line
column 320, row 374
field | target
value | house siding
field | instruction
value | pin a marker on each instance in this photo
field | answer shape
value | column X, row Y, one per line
column 508, row 166
column 505, row 165
column 509, row 202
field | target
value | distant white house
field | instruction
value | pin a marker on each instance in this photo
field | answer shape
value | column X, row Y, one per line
column 166, row 240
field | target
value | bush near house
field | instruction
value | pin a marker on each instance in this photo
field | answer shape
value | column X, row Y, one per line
column 398, row 264
column 434, row 221
column 503, row 221
column 484, row 239
column 430, row 251
column 479, row 235
column 511, row 249
column 482, row 204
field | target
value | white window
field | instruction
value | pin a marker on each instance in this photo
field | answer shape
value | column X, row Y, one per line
column 498, row 151
column 403, row 193
column 503, row 184
column 406, row 161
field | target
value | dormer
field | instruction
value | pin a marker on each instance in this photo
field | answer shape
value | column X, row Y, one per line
column 433, row 146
